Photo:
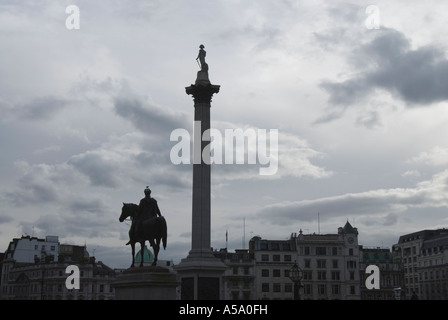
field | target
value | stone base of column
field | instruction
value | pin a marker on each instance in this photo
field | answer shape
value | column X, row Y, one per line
column 200, row 277
column 146, row 283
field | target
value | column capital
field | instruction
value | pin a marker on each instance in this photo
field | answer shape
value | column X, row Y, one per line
column 202, row 91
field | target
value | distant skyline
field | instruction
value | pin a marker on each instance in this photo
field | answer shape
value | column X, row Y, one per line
column 86, row 117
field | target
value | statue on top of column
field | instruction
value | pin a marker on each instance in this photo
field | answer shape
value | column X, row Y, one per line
column 201, row 58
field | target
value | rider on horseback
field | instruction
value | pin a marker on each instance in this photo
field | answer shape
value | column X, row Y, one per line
column 148, row 208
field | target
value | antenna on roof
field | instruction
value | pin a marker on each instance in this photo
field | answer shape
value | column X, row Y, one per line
column 244, row 233
column 318, row 223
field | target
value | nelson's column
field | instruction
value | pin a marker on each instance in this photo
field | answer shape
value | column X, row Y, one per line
column 200, row 273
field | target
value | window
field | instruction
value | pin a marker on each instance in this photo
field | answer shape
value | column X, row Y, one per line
column 335, row 289
column 235, row 270
column 334, row 251
column 274, row 246
column 101, row 287
column 307, row 251
column 288, row 287
column 287, row 273
column 351, row 264
column 352, row 275
column 352, row 290
column 264, row 257
column 335, row 275
column 265, row 272
column 308, row 289
column 321, row 251
column 321, row 263
column 321, row 275
column 276, row 273
column 287, row 258
column 350, row 251
column 307, row 263
column 321, row 289
column 307, row 275
column 276, row 257
column 52, row 248
column 265, row 287
column 335, row 264
column 277, row 287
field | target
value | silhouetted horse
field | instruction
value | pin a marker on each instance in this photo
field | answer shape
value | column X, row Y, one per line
column 153, row 229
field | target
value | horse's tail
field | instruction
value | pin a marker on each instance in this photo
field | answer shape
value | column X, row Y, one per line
column 164, row 230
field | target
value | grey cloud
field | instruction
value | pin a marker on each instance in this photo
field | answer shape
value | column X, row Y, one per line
column 90, row 206
column 372, row 203
column 32, row 194
column 5, row 219
column 149, row 119
column 90, row 226
column 418, row 77
column 388, row 220
column 41, row 108
column 99, row 171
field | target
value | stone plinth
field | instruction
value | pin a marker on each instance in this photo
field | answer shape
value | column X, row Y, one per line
column 146, row 283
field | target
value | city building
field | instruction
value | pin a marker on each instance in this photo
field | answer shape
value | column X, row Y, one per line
column 330, row 265
column 391, row 279
column 32, row 249
column 239, row 278
column 433, row 268
column 36, row 269
column 409, row 249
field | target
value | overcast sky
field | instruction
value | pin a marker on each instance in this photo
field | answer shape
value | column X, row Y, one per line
column 86, row 116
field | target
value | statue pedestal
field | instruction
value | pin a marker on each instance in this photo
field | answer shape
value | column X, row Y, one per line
column 146, row 283
column 201, row 277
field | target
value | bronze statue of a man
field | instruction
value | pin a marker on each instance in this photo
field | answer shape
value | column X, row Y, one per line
column 148, row 208
column 201, row 56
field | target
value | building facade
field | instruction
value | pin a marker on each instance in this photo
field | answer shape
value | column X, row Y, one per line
column 239, row 278
column 433, row 268
column 409, row 251
column 36, row 269
column 330, row 265
column 391, row 279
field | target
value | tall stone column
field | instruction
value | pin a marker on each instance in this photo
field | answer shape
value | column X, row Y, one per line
column 201, row 273
column 202, row 93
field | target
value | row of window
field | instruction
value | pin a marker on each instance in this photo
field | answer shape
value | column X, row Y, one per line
column 38, row 274
column 36, row 247
column 307, row 275
column 324, row 251
column 321, row 263
column 36, row 288
column 322, row 289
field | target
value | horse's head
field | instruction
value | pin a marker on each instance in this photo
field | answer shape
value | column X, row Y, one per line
column 125, row 212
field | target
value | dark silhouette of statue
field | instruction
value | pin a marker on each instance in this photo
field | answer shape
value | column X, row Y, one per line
column 147, row 224
column 201, row 56
column 148, row 209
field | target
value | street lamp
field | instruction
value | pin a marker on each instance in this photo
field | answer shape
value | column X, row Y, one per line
column 296, row 275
